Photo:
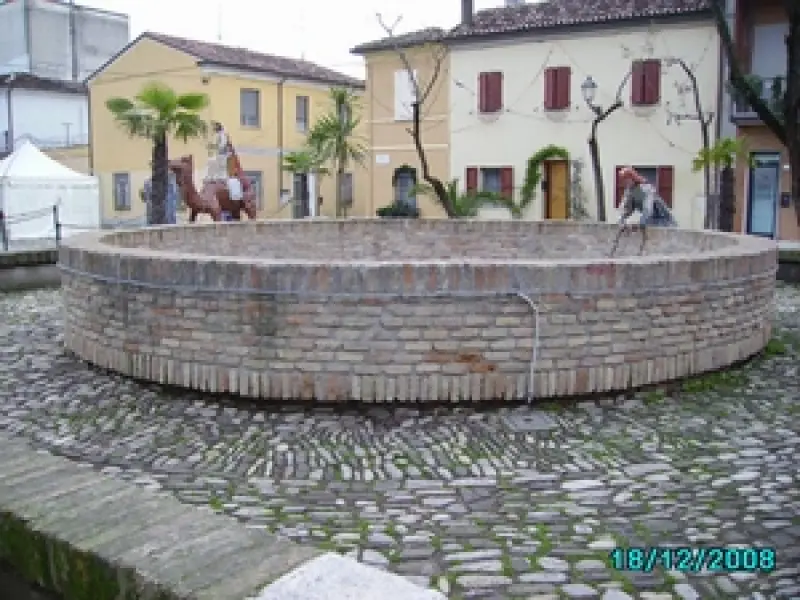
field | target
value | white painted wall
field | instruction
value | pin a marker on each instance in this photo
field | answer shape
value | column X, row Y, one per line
column 632, row 135
column 43, row 117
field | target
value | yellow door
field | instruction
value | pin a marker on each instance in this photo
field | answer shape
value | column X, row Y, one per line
column 557, row 189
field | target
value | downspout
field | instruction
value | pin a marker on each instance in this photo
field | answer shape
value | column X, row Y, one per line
column 722, row 113
column 26, row 7
column 72, row 41
column 90, row 141
column 371, row 167
column 10, row 114
column 280, row 140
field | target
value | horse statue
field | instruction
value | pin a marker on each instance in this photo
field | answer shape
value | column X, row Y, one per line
column 214, row 198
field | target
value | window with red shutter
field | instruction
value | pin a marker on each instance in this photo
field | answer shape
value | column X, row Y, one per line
column 550, row 87
column 557, row 88
column 507, row 182
column 619, row 190
column 646, row 82
column 666, row 183
column 472, row 179
column 637, row 83
column 563, row 79
column 490, row 92
column 483, row 91
column 652, row 82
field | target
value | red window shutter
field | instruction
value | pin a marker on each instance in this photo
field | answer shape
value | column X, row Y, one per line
column 550, row 87
column 637, row 81
column 483, row 91
column 666, row 183
column 652, row 79
column 564, row 84
column 619, row 191
column 496, row 96
column 472, row 179
column 507, row 182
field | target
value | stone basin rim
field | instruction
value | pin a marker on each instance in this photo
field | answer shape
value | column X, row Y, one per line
column 420, row 330
column 101, row 242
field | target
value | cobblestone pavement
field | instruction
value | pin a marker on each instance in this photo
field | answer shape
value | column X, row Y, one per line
column 500, row 503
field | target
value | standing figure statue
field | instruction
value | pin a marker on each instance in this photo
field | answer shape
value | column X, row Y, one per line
column 220, row 165
column 642, row 196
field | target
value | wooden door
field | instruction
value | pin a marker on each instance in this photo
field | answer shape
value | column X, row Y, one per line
column 557, row 190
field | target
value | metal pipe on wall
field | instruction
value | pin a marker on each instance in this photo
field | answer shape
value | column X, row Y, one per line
column 26, row 20
column 10, row 114
column 280, row 140
column 89, row 130
column 73, row 42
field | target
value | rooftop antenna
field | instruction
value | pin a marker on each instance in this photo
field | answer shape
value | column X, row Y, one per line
column 219, row 22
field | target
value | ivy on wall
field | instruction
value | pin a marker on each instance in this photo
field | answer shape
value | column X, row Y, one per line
column 534, row 173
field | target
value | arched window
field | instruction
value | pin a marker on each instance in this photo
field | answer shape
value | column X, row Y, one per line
column 404, row 180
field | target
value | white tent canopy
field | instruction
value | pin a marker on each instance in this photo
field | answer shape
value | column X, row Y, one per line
column 32, row 183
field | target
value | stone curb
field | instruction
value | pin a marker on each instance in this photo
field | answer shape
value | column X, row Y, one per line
column 87, row 536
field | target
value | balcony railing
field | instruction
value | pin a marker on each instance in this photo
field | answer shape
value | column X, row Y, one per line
column 770, row 89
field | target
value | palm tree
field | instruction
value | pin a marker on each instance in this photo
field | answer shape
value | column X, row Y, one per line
column 333, row 139
column 467, row 205
column 157, row 113
column 303, row 161
column 723, row 155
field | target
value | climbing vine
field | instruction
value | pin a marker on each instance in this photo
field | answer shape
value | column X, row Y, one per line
column 533, row 172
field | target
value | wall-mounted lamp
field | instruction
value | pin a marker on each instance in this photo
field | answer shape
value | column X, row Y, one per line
column 589, row 91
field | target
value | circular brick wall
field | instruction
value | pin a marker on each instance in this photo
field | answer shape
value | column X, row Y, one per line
column 397, row 310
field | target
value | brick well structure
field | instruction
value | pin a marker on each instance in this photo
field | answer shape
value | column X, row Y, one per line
column 413, row 310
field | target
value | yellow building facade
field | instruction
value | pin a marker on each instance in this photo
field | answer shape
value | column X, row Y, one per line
column 394, row 161
column 266, row 103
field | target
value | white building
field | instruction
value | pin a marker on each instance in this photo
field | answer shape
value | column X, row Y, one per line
column 58, row 39
column 47, row 49
column 517, row 76
column 52, row 114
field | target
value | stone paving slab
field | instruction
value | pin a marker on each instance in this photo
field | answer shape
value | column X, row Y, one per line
column 85, row 535
column 508, row 503
column 335, row 571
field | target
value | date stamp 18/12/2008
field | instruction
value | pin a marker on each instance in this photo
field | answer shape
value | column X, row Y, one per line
column 691, row 559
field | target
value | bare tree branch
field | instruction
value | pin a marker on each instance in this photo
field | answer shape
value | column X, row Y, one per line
column 705, row 120
column 438, row 60
column 420, row 96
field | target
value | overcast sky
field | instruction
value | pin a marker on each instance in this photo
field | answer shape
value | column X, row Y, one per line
column 321, row 30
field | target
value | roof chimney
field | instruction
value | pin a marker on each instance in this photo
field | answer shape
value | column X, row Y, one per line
column 467, row 9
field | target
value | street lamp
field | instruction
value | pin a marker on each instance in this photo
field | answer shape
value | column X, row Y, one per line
column 589, row 89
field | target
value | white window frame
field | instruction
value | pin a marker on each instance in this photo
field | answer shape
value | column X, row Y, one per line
column 121, row 188
column 247, row 120
column 404, row 95
column 302, row 121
